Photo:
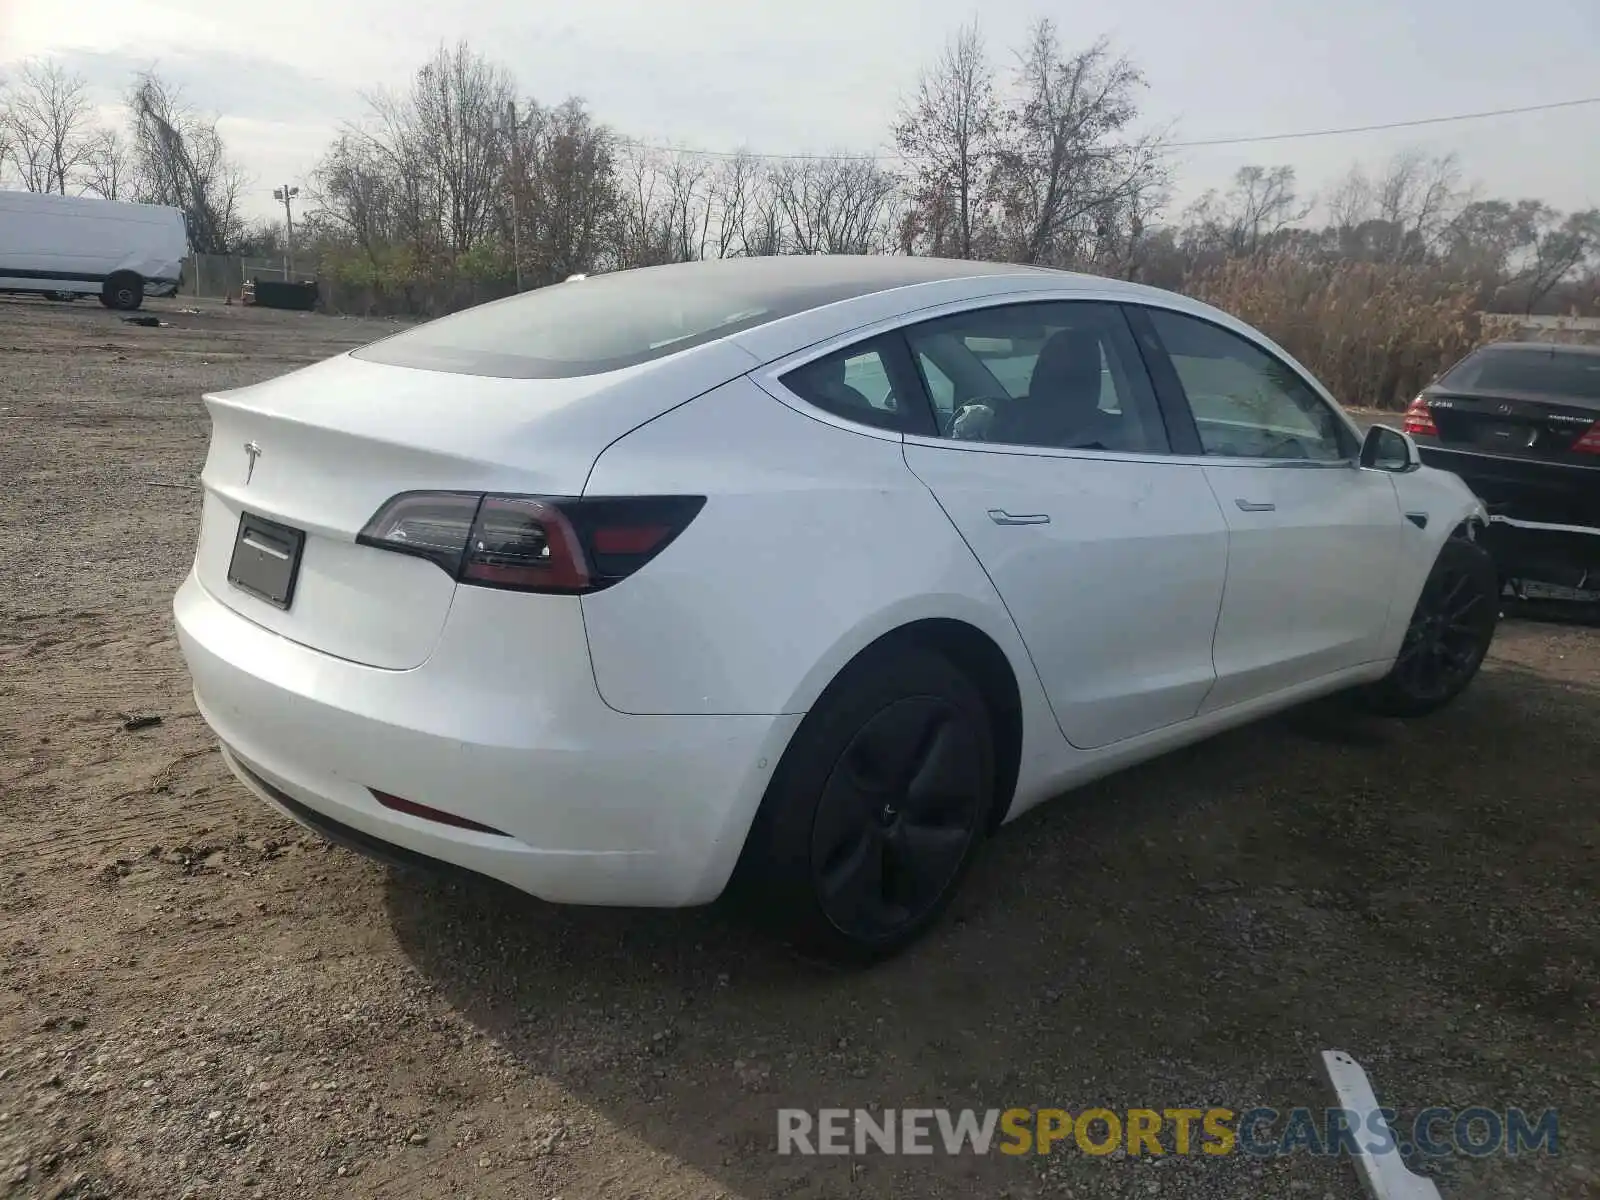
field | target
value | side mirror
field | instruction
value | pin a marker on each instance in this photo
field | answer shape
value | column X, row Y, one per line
column 1386, row 448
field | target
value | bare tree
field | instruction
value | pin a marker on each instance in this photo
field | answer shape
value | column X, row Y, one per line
column 458, row 102
column 7, row 145
column 107, row 166
column 428, row 164
column 735, row 196
column 1261, row 204
column 654, row 189
column 761, row 230
column 686, row 215
column 355, row 196
column 1126, row 225
column 1414, row 198
column 947, row 132
column 179, row 159
column 834, row 205
column 48, row 122
column 1349, row 202
column 1561, row 245
column 1065, row 161
column 1486, row 235
column 568, row 201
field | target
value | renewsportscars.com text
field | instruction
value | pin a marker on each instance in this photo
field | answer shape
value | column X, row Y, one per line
column 1257, row 1132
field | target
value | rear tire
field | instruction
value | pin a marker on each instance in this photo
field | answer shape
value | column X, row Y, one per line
column 876, row 809
column 124, row 291
column 1449, row 634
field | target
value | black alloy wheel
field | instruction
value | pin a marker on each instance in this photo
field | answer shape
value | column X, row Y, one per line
column 1449, row 633
column 897, row 817
column 875, row 810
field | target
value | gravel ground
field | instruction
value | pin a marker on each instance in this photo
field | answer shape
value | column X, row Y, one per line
column 196, row 998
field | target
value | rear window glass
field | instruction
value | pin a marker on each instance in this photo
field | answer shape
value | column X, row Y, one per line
column 607, row 322
column 1536, row 372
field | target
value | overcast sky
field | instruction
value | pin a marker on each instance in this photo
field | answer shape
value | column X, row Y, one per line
column 823, row 75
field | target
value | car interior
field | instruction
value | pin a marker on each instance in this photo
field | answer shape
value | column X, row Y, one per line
column 1060, row 389
column 1046, row 386
column 993, row 377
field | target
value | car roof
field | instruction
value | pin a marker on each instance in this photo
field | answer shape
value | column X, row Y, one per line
column 612, row 320
column 861, row 273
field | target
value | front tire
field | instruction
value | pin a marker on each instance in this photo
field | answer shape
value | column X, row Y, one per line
column 876, row 809
column 1449, row 634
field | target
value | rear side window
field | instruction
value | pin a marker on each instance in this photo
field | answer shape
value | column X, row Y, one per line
column 855, row 383
column 1535, row 372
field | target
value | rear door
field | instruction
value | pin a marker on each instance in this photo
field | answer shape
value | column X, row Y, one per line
column 1051, row 459
column 1313, row 540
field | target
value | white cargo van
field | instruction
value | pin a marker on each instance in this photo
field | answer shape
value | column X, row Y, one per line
column 76, row 245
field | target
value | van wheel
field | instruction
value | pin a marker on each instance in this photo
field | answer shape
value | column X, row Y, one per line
column 124, row 291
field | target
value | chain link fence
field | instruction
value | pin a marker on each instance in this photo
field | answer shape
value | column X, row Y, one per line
column 218, row 276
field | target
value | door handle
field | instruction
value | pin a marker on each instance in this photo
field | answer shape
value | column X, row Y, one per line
column 1255, row 505
column 1001, row 517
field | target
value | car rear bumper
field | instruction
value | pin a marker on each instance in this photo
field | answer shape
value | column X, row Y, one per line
column 1544, row 517
column 502, row 726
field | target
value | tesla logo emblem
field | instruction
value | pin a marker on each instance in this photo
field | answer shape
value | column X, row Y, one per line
column 253, row 452
column 1505, row 408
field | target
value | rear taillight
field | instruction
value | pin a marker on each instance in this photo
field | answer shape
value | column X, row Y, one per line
column 1589, row 443
column 431, row 525
column 531, row 543
column 1419, row 419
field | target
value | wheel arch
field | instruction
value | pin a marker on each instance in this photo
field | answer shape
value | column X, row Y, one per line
column 981, row 658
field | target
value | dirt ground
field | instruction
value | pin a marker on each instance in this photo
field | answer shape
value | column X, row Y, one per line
column 198, row 999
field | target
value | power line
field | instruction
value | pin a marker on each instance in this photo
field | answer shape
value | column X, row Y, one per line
column 1314, row 133
column 634, row 142
column 1222, row 141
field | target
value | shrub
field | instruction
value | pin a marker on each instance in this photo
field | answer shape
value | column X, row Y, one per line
column 1373, row 333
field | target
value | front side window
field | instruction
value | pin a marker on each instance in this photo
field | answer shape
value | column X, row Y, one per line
column 1247, row 403
column 1061, row 375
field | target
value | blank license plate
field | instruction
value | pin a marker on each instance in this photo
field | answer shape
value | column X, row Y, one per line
column 1503, row 436
column 266, row 559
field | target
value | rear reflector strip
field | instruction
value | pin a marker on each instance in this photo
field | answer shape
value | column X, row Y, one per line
column 413, row 809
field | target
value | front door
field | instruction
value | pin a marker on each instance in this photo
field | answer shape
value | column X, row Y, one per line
column 1313, row 540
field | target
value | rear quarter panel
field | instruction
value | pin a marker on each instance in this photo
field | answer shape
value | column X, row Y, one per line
column 815, row 541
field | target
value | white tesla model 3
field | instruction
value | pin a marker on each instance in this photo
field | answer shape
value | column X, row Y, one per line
column 795, row 574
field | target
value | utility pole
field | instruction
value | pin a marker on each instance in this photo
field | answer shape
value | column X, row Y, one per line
column 516, row 180
column 286, row 194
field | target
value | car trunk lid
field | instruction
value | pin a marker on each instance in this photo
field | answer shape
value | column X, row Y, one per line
column 1513, row 424
column 298, row 465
